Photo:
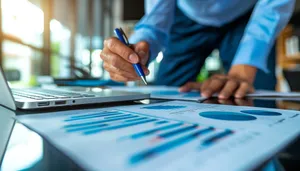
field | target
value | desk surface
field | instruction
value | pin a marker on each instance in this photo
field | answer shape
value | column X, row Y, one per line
column 27, row 150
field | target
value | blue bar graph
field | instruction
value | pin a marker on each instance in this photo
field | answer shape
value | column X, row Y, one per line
column 178, row 131
column 137, row 119
column 118, row 116
column 97, row 114
column 217, row 137
column 161, row 122
column 90, row 116
column 153, row 131
column 97, row 122
column 104, row 121
column 118, row 126
column 137, row 158
column 77, row 129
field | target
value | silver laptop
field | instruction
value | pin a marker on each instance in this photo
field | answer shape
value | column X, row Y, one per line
column 35, row 98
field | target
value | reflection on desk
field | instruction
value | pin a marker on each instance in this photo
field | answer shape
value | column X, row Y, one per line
column 6, row 125
column 24, row 150
column 289, row 104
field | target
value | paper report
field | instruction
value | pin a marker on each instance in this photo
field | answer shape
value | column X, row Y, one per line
column 168, row 136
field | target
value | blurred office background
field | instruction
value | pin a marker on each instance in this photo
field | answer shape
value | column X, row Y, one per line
column 64, row 38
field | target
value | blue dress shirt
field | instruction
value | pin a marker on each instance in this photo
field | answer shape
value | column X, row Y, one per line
column 267, row 20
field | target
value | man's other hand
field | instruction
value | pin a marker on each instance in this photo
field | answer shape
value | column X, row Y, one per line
column 238, row 83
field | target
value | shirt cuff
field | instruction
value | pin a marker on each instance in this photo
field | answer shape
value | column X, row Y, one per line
column 148, row 35
column 254, row 53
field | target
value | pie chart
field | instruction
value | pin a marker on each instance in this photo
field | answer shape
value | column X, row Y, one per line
column 261, row 112
column 227, row 116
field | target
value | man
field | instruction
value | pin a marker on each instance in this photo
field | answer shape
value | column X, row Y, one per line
column 187, row 31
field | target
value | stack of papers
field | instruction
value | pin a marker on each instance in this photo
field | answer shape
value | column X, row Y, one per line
column 268, row 93
column 169, row 136
column 163, row 92
column 172, row 93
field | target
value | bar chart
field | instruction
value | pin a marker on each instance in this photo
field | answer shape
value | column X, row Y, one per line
column 168, row 134
column 89, row 124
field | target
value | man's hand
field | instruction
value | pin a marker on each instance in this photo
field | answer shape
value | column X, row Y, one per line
column 118, row 59
column 237, row 83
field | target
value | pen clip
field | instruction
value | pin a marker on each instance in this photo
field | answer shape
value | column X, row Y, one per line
column 121, row 35
column 124, row 35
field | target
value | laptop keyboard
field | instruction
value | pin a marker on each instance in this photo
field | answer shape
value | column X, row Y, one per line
column 43, row 94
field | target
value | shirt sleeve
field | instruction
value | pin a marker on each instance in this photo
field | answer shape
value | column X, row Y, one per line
column 155, row 26
column 267, row 20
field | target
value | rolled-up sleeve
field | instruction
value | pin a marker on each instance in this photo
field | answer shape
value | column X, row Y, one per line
column 268, row 19
column 155, row 26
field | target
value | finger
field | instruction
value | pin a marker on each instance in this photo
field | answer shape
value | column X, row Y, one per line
column 243, row 90
column 243, row 102
column 251, row 90
column 229, row 89
column 226, row 102
column 116, row 61
column 112, row 70
column 190, row 86
column 219, row 76
column 117, row 47
column 205, row 85
column 142, row 49
column 120, row 78
column 209, row 101
column 146, row 70
column 214, row 86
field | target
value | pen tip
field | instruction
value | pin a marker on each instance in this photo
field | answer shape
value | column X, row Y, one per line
column 144, row 80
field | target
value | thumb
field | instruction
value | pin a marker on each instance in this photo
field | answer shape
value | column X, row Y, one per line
column 142, row 49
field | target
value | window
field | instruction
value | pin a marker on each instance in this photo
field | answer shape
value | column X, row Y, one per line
column 60, row 38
